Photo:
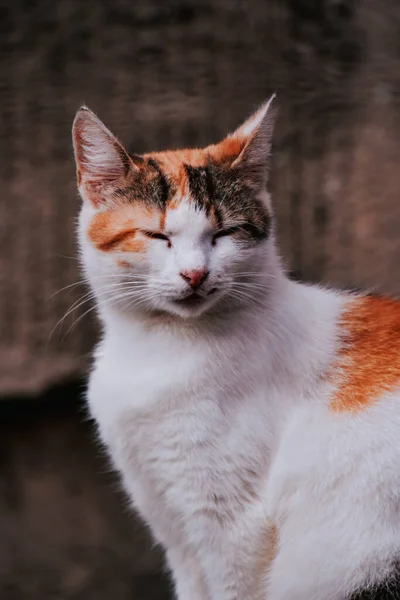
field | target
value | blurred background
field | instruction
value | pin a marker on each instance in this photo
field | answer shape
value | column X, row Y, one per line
column 163, row 73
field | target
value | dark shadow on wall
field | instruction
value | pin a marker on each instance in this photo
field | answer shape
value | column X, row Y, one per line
column 67, row 531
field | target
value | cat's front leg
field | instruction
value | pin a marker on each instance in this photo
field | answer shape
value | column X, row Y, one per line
column 222, row 579
column 186, row 573
column 229, row 575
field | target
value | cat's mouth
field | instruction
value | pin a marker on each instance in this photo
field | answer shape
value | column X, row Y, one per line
column 194, row 299
column 191, row 301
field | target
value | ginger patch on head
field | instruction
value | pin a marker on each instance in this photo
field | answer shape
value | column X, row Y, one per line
column 369, row 362
column 119, row 229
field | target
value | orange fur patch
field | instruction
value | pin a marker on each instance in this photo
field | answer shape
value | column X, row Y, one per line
column 172, row 162
column 227, row 150
column 117, row 228
column 370, row 359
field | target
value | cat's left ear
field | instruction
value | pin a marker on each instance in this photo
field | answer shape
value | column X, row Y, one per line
column 256, row 135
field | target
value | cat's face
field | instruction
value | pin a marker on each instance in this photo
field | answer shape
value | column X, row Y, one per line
column 173, row 231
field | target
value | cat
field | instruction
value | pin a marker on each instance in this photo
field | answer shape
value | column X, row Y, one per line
column 255, row 421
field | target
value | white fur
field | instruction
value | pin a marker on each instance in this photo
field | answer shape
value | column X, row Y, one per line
column 218, row 420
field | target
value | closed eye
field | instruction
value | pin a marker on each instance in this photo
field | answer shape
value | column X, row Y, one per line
column 155, row 235
column 224, row 232
column 246, row 228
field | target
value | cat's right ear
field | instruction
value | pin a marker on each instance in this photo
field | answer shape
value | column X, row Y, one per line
column 101, row 161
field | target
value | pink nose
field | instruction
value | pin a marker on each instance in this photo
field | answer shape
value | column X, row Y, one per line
column 194, row 278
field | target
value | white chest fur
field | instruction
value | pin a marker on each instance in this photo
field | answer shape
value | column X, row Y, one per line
column 187, row 430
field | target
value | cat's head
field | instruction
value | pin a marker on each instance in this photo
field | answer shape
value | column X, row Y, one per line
column 176, row 231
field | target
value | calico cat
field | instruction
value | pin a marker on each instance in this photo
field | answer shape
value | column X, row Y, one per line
column 255, row 420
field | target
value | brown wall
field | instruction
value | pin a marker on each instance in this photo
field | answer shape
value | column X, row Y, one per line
column 66, row 529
